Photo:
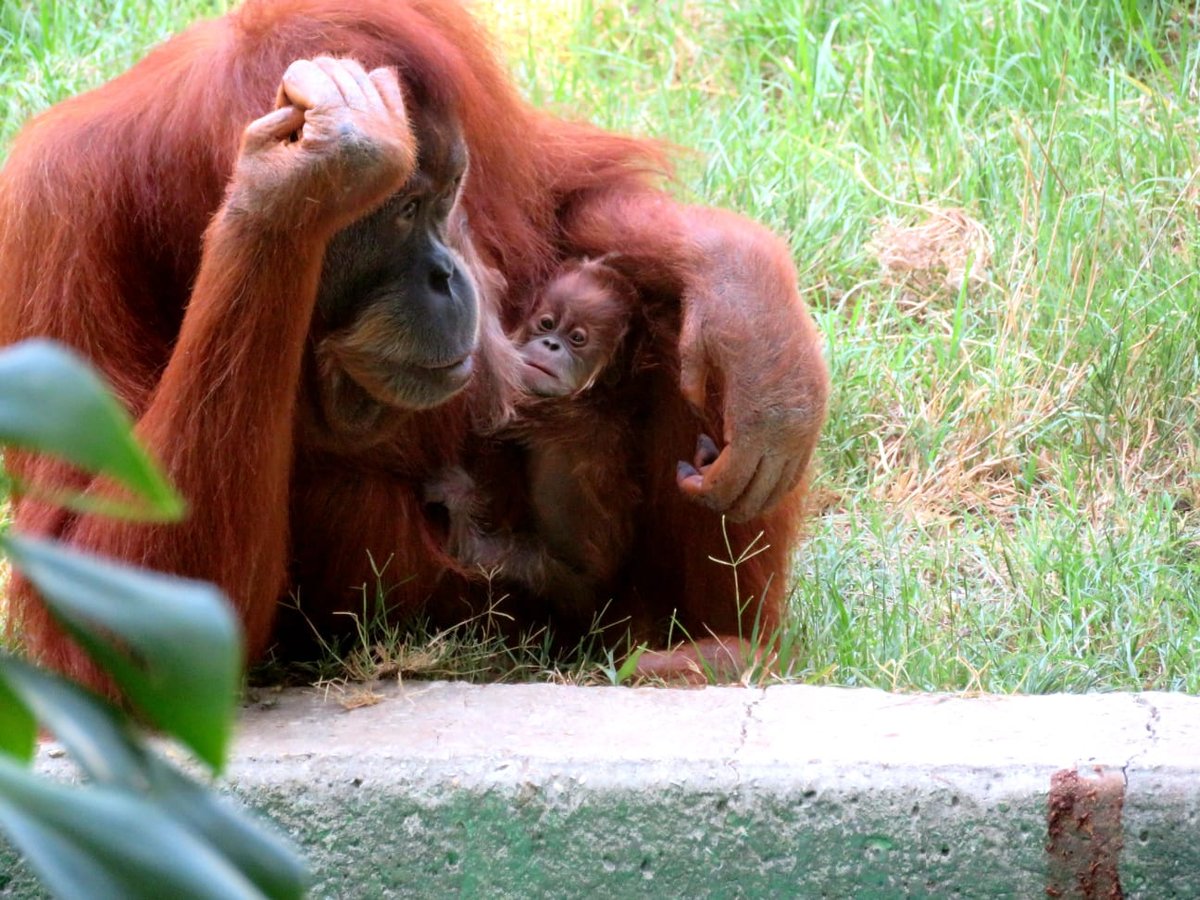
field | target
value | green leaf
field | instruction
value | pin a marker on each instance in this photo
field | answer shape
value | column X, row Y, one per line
column 172, row 645
column 95, row 733
column 267, row 860
column 102, row 842
column 18, row 730
column 53, row 402
column 629, row 666
column 100, row 741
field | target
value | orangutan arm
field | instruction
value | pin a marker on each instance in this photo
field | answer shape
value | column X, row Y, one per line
column 743, row 331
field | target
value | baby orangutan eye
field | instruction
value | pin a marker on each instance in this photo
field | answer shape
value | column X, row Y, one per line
column 408, row 212
column 578, row 337
column 546, row 323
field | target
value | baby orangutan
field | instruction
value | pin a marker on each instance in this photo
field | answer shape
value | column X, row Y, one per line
column 575, row 432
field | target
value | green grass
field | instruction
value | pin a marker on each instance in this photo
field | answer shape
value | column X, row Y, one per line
column 1008, row 496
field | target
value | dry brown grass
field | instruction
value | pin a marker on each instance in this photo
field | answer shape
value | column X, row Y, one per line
column 934, row 257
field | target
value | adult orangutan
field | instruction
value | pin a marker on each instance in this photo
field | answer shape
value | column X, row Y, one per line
column 263, row 274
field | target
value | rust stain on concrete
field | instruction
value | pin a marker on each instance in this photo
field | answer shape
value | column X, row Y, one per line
column 1083, row 824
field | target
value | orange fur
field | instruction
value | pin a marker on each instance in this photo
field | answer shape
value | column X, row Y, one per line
column 108, row 242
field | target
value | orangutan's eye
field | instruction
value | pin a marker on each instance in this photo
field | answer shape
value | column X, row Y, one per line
column 578, row 337
column 546, row 323
column 408, row 212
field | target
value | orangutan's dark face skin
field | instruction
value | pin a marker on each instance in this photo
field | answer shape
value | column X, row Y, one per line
column 397, row 305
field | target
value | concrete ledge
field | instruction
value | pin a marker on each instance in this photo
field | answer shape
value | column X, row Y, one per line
column 531, row 790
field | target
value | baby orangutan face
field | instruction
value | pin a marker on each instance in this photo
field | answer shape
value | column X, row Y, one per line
column 575, row 329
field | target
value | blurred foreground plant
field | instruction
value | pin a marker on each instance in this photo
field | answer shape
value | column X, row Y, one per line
column 140, row 827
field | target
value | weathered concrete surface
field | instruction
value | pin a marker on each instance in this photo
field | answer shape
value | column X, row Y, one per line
column 530, row 790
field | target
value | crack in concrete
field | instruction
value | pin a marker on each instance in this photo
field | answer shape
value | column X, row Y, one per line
column 1154, row 717
column 751, row 707
column 743, row 737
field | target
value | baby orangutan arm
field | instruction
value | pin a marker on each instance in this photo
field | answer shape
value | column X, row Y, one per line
column 522, row 559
